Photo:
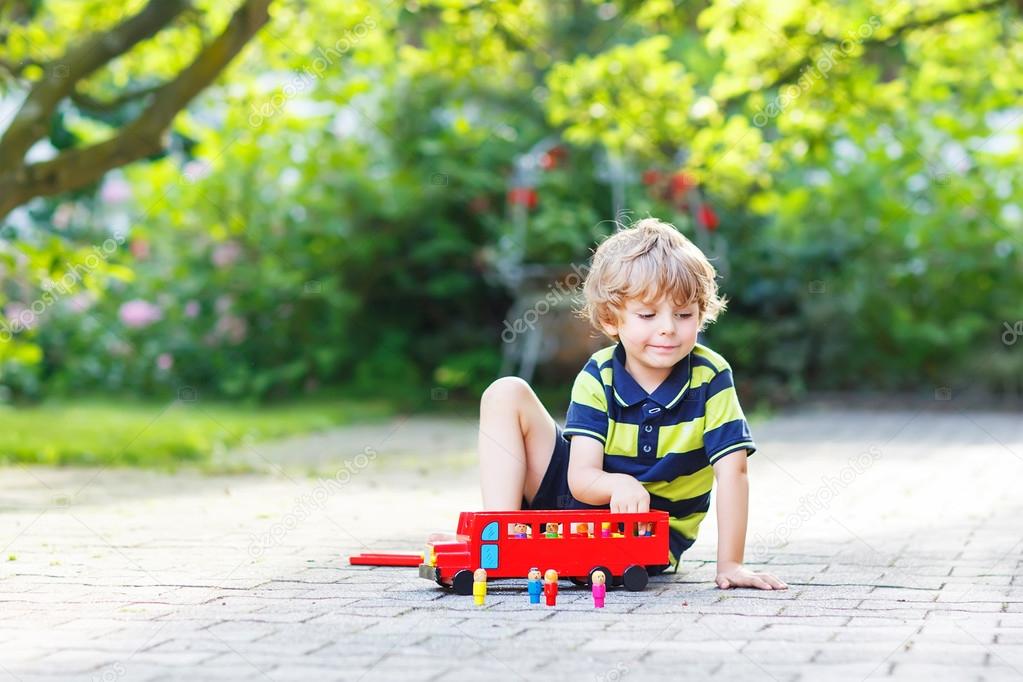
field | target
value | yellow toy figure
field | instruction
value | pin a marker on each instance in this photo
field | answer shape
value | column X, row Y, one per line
column 479, row 586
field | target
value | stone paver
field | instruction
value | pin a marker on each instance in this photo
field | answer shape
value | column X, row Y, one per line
column 898, row 531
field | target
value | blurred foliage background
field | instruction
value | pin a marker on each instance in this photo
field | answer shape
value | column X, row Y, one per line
column 334, row 212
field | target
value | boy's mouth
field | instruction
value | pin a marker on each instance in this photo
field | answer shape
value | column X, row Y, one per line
column 663, row 349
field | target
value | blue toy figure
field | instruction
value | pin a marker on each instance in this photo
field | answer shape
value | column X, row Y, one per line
column 535, row 586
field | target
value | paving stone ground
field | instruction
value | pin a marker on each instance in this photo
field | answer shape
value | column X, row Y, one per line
column 899, row 532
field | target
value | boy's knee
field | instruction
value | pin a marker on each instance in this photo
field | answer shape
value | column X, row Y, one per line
column 505, row 390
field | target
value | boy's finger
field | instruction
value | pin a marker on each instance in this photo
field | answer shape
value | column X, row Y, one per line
column 760, row 583
column 775, row 583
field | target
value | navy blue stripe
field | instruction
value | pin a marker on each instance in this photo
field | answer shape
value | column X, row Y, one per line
column 700, row 361
column 585, row 417
column 667, row 468
column 719, row 383
column 681, row 508
column 594, row 371
column 729, row 433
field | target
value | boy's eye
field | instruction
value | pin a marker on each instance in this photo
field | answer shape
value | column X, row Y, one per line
column 684, row 316
column 646, row 316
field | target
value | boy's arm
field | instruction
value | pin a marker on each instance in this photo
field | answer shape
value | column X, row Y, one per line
column 732, row 510
column 589, row 483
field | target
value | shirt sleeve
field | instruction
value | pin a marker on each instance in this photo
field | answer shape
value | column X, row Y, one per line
column 725, row 428
column 587, row 413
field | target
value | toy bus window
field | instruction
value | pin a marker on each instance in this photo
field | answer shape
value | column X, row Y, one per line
column 552, row 529
column 488, row 556
column 643, row 529
column 609, row 529
column 582, row 530
column 519, row 531
column 489, row 532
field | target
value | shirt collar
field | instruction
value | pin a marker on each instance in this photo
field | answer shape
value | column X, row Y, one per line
column 628, row 392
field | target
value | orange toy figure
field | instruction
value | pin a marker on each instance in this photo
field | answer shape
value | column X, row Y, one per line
column 583, row 529
column 599, row 589
column 550, row 586
column 551, row 530
column 479, row 586
column 520, row 531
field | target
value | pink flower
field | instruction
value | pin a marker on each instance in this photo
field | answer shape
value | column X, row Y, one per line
column 232, row 328
column 226, row 254
column 79, row 303
column 19, row 316
column 192, row 309
column 140, row 248
column 165, row 361
column 115, row 191
column 139, row 313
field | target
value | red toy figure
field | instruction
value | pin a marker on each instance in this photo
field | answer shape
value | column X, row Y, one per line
column 479, row 586
column 550, row 586
column 599, row 589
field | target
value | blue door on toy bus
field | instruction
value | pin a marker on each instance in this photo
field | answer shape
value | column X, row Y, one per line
column 488, row 546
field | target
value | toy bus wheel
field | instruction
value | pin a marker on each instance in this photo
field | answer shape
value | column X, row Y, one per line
column 607, row 575
column 635, row 578
column 462, row 582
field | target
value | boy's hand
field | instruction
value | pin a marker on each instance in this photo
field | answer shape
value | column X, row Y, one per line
column 738, row 575
column 629, row 495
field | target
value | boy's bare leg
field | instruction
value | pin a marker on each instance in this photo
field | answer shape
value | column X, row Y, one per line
column 515, row 443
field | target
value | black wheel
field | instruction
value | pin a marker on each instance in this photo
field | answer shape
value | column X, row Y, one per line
column 635, row 578
column 462, row 582
column 607, row 575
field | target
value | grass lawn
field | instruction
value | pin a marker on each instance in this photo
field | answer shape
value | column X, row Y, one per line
column 136, row 433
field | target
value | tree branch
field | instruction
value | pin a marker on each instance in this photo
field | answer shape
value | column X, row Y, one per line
column 141, row 137
column 61, row 75
column 94, row 105
column 793, row 72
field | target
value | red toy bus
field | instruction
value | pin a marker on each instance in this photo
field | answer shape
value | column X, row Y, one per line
column 574, row 543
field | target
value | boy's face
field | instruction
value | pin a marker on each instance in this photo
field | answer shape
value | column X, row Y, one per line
column 656, row 335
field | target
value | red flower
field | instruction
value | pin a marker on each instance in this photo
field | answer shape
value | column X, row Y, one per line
column 681, row 181
column 651, row 177
column 523, row 196
column 553, row 158
column 708, row 218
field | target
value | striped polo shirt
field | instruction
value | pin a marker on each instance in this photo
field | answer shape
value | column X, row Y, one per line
column 667, row 439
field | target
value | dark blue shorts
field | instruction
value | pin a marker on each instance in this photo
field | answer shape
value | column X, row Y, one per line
column 554, row 493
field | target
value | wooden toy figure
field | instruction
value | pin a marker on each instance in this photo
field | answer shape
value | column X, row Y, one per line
column 605, row 529
column 551, row 530
column 520, row 531
column 550, row 586
column 599, row 589
column 479, row 586
column 583, row 529
column 646, row 529
column 535, row 585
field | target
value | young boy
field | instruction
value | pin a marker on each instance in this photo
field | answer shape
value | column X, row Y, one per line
column 653, row 420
